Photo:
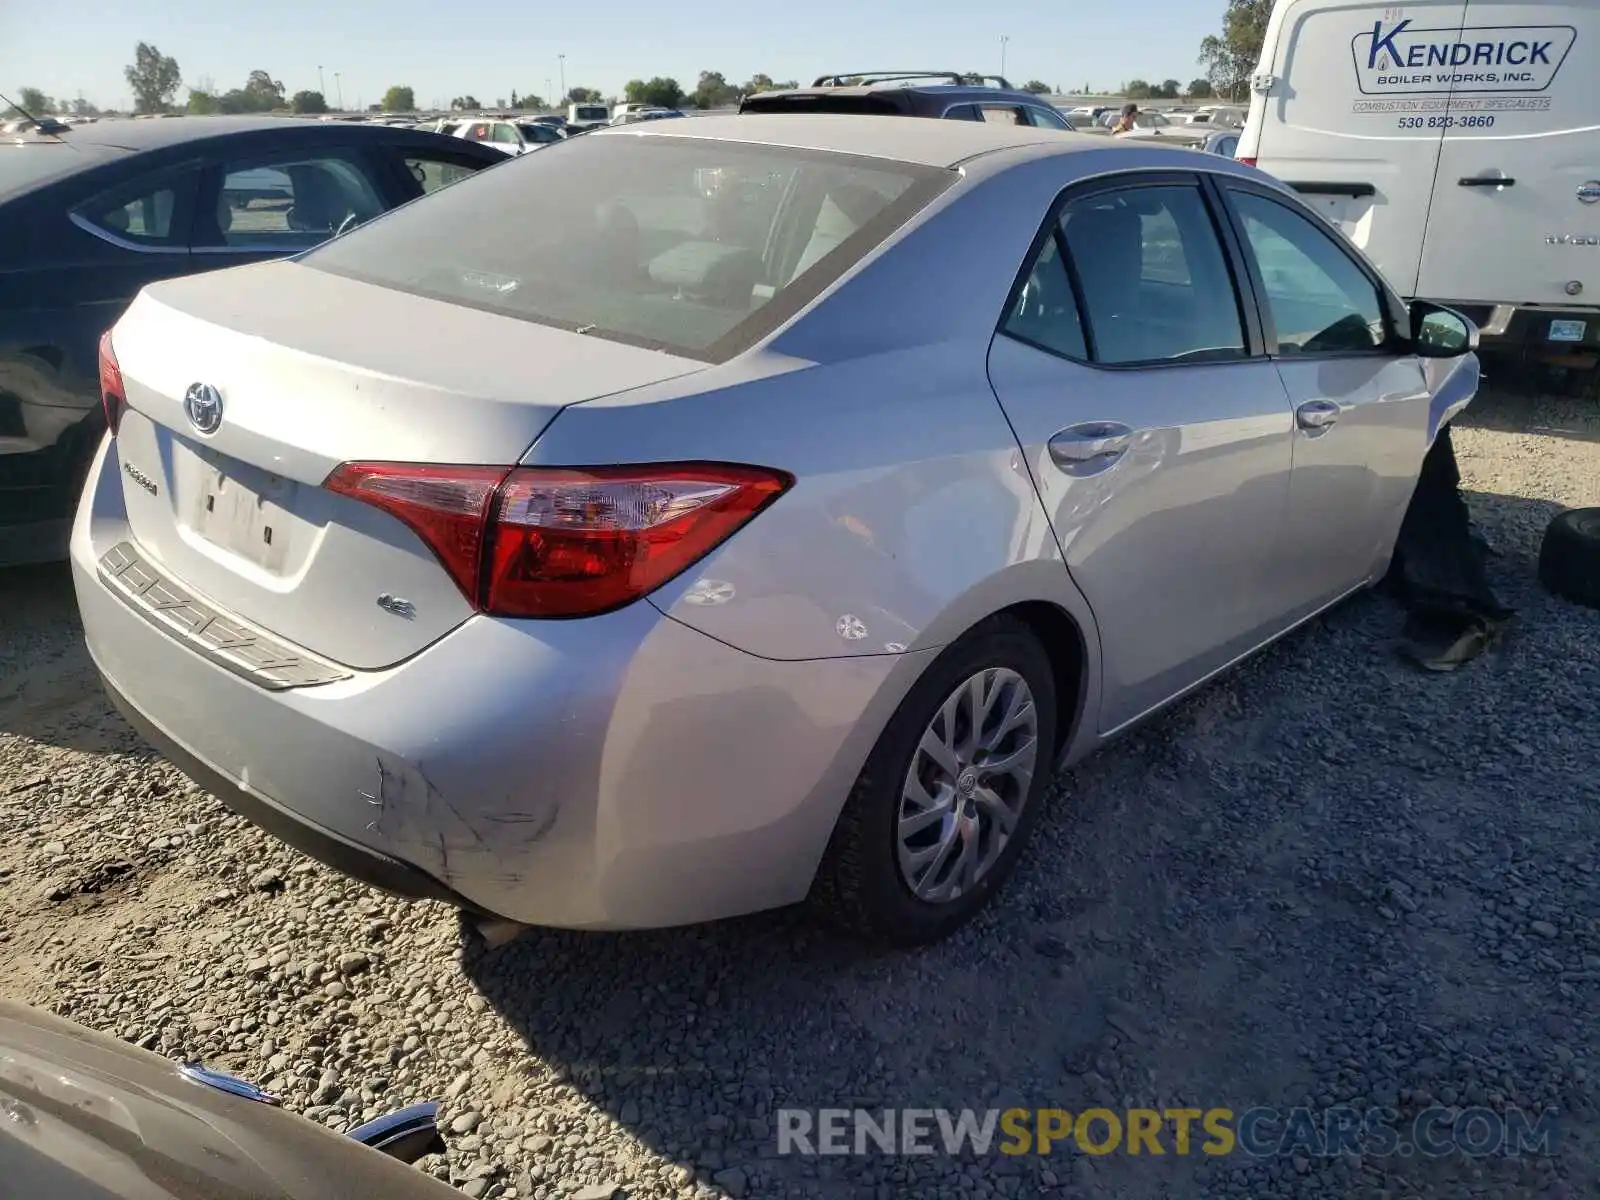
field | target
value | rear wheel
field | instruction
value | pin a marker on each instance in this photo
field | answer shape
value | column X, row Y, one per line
column 949, row 794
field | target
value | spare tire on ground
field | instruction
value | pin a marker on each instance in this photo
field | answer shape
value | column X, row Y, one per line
column 1569, row 558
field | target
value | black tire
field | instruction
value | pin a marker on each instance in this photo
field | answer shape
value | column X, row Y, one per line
column 859, row 889
column 1569, row 557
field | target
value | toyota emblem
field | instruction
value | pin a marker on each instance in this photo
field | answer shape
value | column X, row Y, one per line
column 202, row 404
column 1589, row 193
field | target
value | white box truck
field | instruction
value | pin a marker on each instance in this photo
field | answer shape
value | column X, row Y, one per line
column 1458, row 143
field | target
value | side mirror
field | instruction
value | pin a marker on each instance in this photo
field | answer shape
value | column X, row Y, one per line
column 1439, row 332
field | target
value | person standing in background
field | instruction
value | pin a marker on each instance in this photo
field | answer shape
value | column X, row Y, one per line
column 1128, row 121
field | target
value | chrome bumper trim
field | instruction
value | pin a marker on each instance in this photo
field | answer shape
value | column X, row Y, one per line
column 225, row 640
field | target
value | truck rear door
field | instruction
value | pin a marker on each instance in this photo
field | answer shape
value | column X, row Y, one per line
column 1353, row 118
column 1516, row 209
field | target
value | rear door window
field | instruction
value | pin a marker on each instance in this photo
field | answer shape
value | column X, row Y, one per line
column 1003, row 114
column 1155, row 282
column 147, row 214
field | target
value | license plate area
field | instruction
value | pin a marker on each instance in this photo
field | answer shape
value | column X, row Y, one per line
column 1568, row 331
column 245, row 511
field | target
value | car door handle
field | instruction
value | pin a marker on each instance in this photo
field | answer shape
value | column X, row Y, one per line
column 1316, row 414
column 1089, row 447
column 1486, row 181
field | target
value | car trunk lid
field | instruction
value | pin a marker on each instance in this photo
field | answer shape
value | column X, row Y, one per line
column 311, row 370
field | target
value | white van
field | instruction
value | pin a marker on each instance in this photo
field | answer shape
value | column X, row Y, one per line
column 1458, row 143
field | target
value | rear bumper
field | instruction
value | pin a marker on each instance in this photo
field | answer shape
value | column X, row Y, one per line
column 1528, row 327
column 620, row 772
column 357, row 861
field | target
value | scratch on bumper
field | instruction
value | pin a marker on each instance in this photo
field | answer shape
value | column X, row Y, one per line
column 421, row 824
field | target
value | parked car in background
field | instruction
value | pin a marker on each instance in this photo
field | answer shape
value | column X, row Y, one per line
column 1160, row 127
column 1222, row 141
column 1220, row 116
column 89, row 1117
column 41, row 125
column 1478, row 184
column 93, row 216
column 634, row 115
column 1086, row 114
column 583, row 117
column 848, row 498
column 506, row 136
column 943, row 94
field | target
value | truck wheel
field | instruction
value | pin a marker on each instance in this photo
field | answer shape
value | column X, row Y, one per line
column 1569, row 558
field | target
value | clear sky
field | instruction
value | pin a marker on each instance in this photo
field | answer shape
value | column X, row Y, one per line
column 486, row 49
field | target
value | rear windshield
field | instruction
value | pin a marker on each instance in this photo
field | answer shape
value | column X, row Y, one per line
column 692, row 245
column 597, row 113
column 809, row 102
column 32, row 163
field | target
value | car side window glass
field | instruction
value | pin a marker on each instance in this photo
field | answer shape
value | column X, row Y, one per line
column 1045, row 119
column 1155, row 283
column 1321, row 302
column 963, row 112
column 1003, row 114
column 505, row 134
column 476, row 132
column 432, row 174
column 293, row 203
column 140, row 215
column 1045, row 313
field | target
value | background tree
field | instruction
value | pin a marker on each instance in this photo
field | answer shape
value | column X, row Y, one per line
column 465, row 102
column 1230, row 59
column 266, row 93
column 203, row 103
column 82, row 108
column 308, row 102
column 584, row 95
column 766, row 83
column 713, row 91
column 531, row 101
column 34, row 101
column 660, row 91
column 404, row 99
column 1170, row 89
column 1200, row 89
column 153, row 78
column 1037, row 86
column 1138, row 89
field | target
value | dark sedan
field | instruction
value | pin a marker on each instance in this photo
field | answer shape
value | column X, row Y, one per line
column 94, row 214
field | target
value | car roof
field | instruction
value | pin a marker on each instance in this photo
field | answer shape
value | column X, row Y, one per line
column 943, row 91
column 155, row 135
column 931, row 143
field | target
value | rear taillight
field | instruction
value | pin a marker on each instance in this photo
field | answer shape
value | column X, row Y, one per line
column 565, row 542
column 1249, row 162
column 113, row 396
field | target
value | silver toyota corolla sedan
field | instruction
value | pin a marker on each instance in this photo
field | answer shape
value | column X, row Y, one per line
column 708, row 515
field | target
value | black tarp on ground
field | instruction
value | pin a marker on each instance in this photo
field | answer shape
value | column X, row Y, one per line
column 1438, row 571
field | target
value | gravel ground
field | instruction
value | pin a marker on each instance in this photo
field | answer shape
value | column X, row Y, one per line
column 1328, row 879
